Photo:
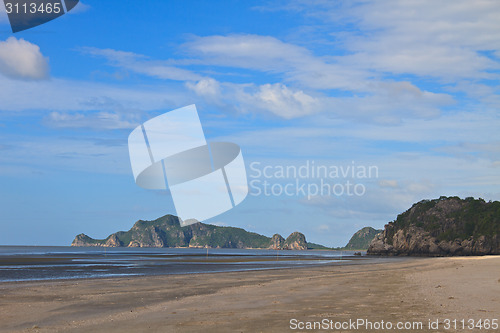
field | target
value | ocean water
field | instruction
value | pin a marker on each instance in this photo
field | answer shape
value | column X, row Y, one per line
column 24, row 263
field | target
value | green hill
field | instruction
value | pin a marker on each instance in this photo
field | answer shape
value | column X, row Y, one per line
column 362, row 238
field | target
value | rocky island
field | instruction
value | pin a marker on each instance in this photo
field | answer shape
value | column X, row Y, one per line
column 447, row 226
column 167, row 232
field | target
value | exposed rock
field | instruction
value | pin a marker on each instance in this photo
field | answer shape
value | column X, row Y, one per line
column 113, row 241
column 277, row 242
column 296, row 241
column 157, row 238
column 84, row 240
column 167, row 232
column 442, row 227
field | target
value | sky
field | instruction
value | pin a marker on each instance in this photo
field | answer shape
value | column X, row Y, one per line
column 408, row 88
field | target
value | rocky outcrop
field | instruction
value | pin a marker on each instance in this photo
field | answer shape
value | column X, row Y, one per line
column 113, row 241
column 442, row 227
column 277, row 242
column 296, row 241
column 84, row 240
column 167, row 232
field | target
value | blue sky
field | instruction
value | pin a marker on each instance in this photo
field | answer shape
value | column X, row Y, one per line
column 409, row 87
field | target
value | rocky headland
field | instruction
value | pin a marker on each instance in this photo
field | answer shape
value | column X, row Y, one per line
column 447, row 226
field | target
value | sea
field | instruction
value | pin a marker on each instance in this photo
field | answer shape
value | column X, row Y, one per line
column 31, row 263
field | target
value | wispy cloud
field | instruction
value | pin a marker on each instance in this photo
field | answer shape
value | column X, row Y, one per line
column 388, row 183
column 425, row 38
column 74, row 103
column 52, row 153
column 269, row 54
column 98, row 120
column 141, row 64
column 310, row 84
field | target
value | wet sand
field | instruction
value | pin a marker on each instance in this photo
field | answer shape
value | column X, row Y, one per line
column 413, row 289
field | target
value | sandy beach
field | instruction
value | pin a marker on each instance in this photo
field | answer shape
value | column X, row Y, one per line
column 400, row 291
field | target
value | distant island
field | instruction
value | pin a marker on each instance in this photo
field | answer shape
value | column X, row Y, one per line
column 447, row 226
column 167, row 232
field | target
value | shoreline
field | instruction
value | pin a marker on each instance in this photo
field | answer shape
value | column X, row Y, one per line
column 416, row 289
column 344, row 261
column 53, row 263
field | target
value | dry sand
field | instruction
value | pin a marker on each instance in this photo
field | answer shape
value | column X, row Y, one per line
column 416, row 289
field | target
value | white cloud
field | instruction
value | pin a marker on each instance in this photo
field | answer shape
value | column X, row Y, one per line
column 163, row 71
column 98, row 120
column 375, row 99
column 388, row 183
column 269, row 54
column 81, row 104
column 323, row 228
column 441, row 40
column 390, row 103
column 283, row 101
column 141, row 64
column 114, row 56
column 308, row 79
column 207, row 87
column 277, row 98
column 264, row 53
column 387, row 103
column 377, row 70
column 473, row 150
column 454, row 154
column 74, row 95
column 381, row 205
column 20, row 59
column 48, row 154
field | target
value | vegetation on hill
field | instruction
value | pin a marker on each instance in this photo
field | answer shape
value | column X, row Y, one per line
column 444, row 226
column 167, row 232
column 449, row 218
column 362, row 238
column 314, row 246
